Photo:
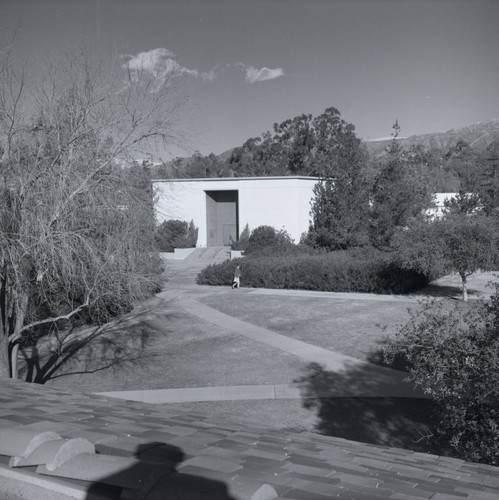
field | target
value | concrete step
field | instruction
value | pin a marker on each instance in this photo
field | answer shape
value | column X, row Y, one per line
column 209, row 254
column 186, row 270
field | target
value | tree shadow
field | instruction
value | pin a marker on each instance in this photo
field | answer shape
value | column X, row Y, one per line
column 448, row 291
column 123, row 341
column 154, row 476
column 355, row 404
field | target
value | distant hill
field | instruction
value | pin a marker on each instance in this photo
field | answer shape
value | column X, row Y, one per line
column 478, row 135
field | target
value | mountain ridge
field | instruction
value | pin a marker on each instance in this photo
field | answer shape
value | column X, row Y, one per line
column 478, row 135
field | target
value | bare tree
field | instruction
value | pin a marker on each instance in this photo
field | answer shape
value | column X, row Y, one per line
column 73, row 230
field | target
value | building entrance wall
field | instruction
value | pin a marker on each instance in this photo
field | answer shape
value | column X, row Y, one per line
column 223, row 207
column 221, row 217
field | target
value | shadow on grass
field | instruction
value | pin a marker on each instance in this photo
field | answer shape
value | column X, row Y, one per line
column 121, row 342
column 154, row 475
column 445, row 291
column 344, row 410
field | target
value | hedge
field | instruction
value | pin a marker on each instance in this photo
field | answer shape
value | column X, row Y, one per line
column 341, row 271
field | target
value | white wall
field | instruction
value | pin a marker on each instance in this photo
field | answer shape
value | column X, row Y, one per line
column 281, row 202
column 182, row 201
column 439, row 200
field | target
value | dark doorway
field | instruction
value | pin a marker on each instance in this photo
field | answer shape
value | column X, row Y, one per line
column 221, row 217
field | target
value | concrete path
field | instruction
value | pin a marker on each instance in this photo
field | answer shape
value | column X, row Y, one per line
column 369, row 382
column 222, row 393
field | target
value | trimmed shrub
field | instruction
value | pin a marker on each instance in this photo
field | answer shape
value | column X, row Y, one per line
column 452, row 353
column 265, row 237
column 341, row 271
column 173, row 234
column 220, row 274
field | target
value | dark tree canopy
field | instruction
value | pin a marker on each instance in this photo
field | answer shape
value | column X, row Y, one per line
column 398, row 194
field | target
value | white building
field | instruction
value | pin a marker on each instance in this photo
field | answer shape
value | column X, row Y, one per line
column 439, row 199
column 222, row 207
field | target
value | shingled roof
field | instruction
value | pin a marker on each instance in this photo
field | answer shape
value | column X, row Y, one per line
column 87, row 446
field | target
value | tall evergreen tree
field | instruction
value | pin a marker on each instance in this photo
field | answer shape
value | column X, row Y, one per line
column 341, row 199
column 398, row 194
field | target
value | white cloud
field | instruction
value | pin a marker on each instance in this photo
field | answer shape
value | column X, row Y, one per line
column 161, row 63
column 260, row 75
column 212, row 75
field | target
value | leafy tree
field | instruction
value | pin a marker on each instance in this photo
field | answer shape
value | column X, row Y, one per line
column 259, row 156
column 398, row 195
column 72, row 237
column 295, row 140
column 341, row 199
column 456, row 243
column 463, row 203
column 465, row 163
column 337, row 147
column 488, row 179
column 201, row 166
column 302, row 145
column 428, row 164
column 452, row 354
column 339, row 214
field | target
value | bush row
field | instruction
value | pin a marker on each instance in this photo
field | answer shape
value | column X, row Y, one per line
column 366, row 271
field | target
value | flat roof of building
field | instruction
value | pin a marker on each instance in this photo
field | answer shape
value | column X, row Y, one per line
column 211, row 179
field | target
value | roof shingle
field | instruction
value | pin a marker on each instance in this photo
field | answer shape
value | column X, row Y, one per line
column 144, row 450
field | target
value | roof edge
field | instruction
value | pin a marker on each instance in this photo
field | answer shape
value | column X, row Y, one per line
column 211, row 179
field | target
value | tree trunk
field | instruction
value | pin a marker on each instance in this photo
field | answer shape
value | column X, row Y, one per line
column 13, row 361
column 4, row 339
column 465, row 287
column 21, row 306
column 4, row 357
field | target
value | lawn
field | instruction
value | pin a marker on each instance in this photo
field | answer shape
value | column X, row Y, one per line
column 350, row 326
column 346, row 323
column 159, row 346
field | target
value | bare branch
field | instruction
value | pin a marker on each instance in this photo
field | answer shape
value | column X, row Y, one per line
column 16, row 336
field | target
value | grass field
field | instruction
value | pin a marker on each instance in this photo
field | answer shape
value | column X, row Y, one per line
column 349, row 326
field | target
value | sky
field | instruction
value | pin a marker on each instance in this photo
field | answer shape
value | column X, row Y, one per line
column 246, row 64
